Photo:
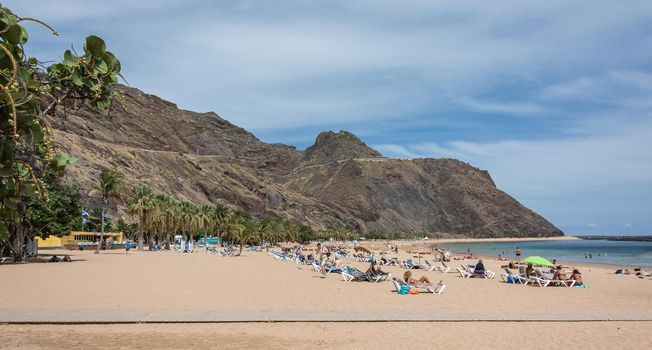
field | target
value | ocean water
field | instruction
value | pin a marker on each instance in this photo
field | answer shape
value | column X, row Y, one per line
column 602, row 251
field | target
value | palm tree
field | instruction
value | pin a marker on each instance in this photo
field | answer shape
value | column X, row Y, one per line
column 140, row 205
column 291, row 230
column 237, row 233
column 185, row 215
column 204, row 219
column 218, row 215
column 274, row 231
column 109, row 187
column 163, row 216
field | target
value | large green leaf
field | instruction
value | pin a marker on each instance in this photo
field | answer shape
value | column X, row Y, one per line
column 37, row 132
column 69, row 59
column 24, row 36
column 112, row 62
column 56, row 68
column 14, row 34
column 96, row 46
column 77, row 78
column 101, row 67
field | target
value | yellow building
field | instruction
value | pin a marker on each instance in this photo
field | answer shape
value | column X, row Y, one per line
column 76, row 237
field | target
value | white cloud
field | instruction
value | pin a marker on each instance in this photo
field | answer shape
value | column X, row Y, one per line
column 442, row 73
column 509, row 108
column 396, row 151
column 604, row 176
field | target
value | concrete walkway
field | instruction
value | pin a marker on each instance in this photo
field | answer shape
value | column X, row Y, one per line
column 54, row 316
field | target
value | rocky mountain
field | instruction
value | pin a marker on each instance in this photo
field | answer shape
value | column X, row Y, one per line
column 337, row 182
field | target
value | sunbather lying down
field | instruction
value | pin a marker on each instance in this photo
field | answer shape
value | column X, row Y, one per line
column 423, row 281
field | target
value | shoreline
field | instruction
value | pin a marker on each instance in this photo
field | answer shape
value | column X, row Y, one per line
column 433, row 243
column 502, row 239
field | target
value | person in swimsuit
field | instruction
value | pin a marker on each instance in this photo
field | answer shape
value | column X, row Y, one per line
column 322, row 250
column 577, row 277
column 373, row 270
column 529, row 271
column 518, row 253
column 559, row 274
column 407, row 276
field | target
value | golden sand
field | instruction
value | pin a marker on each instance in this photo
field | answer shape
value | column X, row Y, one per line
column 246, row 285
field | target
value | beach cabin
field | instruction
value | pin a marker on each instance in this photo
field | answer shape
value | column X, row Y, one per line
column 74, row 238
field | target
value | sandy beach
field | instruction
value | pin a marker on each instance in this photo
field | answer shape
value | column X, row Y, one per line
column 428, row 335
column 170, row 286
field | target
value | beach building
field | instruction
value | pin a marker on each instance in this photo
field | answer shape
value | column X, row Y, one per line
column 74, row 238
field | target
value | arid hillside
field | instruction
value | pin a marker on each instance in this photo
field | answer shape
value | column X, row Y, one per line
column 337, row 182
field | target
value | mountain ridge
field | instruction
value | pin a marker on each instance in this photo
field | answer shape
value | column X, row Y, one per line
column 337, row 182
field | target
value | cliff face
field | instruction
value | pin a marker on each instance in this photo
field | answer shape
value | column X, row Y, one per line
column 337, row 182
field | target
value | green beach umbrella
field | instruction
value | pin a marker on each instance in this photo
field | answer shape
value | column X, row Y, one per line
column 537, row 260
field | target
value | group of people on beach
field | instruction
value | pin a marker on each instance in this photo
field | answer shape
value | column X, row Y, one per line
column 55, row 258
column 559, row 274
column 323, row 253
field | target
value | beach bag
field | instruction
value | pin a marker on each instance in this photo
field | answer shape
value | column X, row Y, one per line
column 512, row 279
column 405, row 289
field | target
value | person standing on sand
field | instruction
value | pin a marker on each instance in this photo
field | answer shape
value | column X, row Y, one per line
column 127, row 247
column 518, row 253
column 322, row 252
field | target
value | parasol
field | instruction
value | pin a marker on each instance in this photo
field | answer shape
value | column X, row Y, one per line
column 537, row 260
column 362, row 249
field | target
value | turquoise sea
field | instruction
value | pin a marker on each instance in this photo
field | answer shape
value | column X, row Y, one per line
column 623, row 253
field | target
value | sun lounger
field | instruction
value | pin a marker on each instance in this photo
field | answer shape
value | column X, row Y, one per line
column 464, row 273
column 409, row 264
column 429, row 267
column 424, row 288
column 333, row 269
column 444, row 268
column 505, row 275
column 486, row 274
column 352, row 274
column 542, row 280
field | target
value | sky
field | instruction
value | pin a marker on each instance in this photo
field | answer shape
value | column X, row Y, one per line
column 554, row 98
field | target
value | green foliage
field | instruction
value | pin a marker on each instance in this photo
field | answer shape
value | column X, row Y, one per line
column 110, row 185
column 29, row 96
column 306, row 234
column 129, row 229
column 58, row 214
column 140, row 203
column 160, row 217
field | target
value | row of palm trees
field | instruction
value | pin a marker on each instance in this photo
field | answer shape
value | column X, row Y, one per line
column 161, row 217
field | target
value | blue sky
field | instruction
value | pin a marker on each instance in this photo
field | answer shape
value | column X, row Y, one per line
column 554, row 98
